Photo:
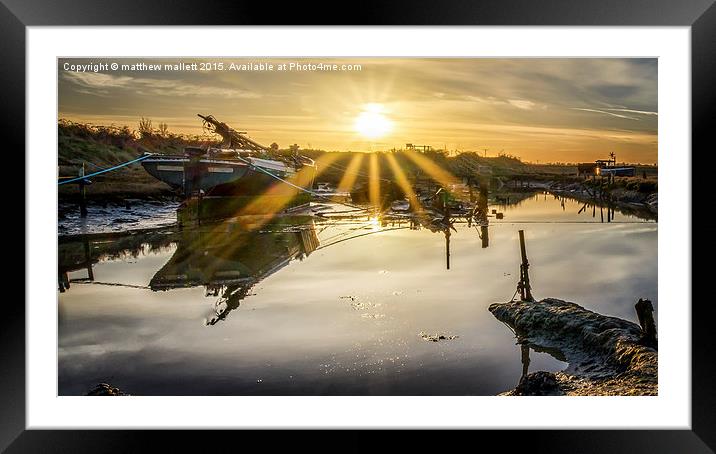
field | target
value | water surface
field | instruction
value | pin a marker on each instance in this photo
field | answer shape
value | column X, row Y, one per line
column 331, row 305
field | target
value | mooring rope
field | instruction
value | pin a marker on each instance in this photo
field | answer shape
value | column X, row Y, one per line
column 112, row 284
column 362, row 234
column 89, row 175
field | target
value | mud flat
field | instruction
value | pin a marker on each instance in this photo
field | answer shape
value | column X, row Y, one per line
column 605, row 354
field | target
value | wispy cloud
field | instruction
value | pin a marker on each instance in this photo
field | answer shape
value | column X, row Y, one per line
column 518, row 103
column 101, row 83
column 605, row 113
column 521, row 104
column 640, row 112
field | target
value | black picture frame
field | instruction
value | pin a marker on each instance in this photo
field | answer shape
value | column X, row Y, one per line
column 700, row 15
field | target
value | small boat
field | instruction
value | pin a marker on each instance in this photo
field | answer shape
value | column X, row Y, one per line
column 617, row 171
column 606, row 167
column 400, row 206
column 239, row 167
column 324, row 188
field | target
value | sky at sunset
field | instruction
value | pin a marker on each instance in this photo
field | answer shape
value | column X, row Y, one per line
column 542, row 110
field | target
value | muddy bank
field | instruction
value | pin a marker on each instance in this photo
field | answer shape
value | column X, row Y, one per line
column 118, row 187
column 116, row 215
column 605, row 355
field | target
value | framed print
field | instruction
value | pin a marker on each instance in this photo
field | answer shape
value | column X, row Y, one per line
column 416, row 219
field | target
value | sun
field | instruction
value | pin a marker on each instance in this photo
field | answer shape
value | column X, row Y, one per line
column 372, row 123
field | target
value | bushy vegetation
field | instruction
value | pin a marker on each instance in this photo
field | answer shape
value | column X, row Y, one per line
column 641, row 185
column 106, row 145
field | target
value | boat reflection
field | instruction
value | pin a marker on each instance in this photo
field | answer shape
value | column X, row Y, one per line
column 228, row 259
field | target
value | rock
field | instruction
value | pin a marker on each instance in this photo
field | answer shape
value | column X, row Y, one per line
column 605, row 354
column 104, row 389
column 538, row 384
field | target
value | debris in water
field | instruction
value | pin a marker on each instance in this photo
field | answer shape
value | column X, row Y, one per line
column 373, row 315
column 437, row 337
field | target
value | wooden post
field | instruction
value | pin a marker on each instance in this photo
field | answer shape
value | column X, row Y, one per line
column 83, row 193
column 645, row 313
column 525, row 289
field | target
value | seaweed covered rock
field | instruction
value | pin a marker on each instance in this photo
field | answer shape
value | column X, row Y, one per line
column 538, row 384
column 604, row 353
column 104, row 389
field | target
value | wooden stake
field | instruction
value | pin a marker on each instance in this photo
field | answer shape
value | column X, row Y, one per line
column 525, row 289
column 83, row 193
column 645, row 313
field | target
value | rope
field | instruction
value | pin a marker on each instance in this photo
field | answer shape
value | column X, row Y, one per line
column 362, row 234
column 113, row 284
column 124, row 164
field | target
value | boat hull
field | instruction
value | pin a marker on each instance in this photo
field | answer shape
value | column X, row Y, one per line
column 221, row 177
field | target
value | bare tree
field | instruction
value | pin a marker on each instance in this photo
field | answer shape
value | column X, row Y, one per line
column 163, row 130
column 145, row 127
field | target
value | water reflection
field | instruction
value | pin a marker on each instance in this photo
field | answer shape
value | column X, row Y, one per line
column 334, row 304
column 527, row 347
column 228, row 259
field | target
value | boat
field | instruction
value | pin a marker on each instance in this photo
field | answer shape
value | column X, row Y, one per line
column 323, row 188
column 400, row 206
column 606, row 167
column 238, row 167
column 617, row 171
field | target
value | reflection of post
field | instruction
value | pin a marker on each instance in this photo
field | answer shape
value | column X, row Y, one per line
column 525, row 290
column 64, row 282
column 446, row 221
column 525, row 350
column 484, row 236
column 88, row 260
column 447, row 247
